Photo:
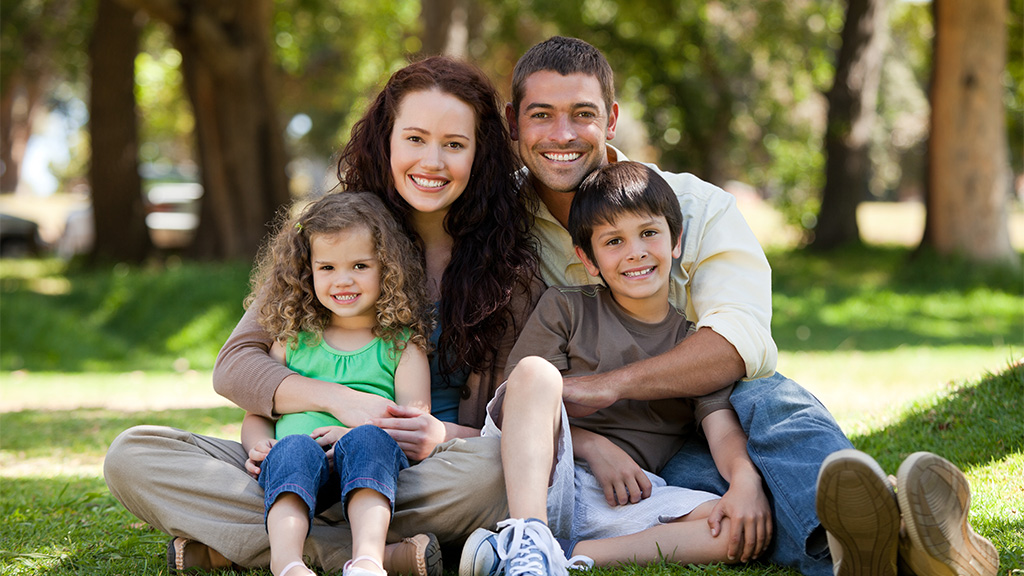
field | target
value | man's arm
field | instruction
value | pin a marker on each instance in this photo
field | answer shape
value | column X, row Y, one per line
column 246, row 374
column 727, row 294
column 700, row 364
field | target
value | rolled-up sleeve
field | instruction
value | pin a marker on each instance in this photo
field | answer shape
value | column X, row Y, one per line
column 727, row 279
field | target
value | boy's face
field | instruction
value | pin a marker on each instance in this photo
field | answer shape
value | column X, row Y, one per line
column 634, row 256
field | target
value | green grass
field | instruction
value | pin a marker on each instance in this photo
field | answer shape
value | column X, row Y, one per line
column 910, row 354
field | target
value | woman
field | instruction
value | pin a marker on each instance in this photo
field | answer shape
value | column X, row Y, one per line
column 434, row 147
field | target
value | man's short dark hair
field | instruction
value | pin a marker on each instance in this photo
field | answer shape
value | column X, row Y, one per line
column 616, row 189
column 565, row 56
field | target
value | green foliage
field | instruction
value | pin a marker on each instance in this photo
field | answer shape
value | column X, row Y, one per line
column 116, row 319
column 883, row 298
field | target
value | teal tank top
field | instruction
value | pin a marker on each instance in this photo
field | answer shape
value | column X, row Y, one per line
column 368, row 369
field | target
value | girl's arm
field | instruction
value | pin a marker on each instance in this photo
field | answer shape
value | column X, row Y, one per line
column 410, row 423
column 744, row 502
column 257, row 440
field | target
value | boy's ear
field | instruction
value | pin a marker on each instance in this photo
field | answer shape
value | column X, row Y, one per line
column 677, row 251
column 592, row 269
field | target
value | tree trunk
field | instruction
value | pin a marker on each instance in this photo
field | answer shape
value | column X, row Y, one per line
column 226, row 63
column 968, row 170
column 448, row 26
column 851, row 118
column 19, row 105
column 118, row 209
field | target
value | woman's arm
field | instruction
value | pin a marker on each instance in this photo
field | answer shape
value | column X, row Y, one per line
column 246, row 374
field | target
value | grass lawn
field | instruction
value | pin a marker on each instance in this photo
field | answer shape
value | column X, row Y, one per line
column 910, row 354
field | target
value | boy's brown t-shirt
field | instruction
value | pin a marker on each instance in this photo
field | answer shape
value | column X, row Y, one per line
column 581, row 330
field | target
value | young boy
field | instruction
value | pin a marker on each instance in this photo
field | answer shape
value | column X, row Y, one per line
column 589, row 479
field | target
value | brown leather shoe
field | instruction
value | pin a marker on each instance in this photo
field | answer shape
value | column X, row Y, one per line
column 416, row 556
column 857, row 507
column 935, row 498
column 184, row 555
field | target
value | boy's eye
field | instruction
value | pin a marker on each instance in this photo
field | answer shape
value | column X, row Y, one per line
column 649, row 233
column 613, row 242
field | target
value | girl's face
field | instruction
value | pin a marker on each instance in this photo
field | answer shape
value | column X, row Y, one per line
column 346, row 276
column 432, row 148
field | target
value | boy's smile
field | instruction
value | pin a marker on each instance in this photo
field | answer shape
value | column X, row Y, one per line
column 634, row 255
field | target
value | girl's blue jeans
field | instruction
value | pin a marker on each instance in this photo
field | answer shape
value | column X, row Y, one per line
column 365, row 457
column 790, row 433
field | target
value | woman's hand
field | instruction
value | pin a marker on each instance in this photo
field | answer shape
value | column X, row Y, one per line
column 746, row 505
column 416, row 431
column 257, row 454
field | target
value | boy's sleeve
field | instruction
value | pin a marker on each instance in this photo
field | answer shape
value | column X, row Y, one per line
column 717, row 400
column 546, row 333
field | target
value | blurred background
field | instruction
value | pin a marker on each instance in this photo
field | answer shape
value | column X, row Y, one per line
column 137, row 128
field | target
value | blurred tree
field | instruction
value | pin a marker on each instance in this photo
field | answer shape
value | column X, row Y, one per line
column 40, row 44
column 968, row 171
column 118, row 210
column 852, row 105
column 227, row 66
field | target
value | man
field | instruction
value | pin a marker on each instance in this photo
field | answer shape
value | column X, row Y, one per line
column 562, row 115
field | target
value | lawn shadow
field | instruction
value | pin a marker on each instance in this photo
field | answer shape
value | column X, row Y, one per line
column 969, row 425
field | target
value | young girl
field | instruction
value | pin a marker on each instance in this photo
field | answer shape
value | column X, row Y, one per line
column 341, row 290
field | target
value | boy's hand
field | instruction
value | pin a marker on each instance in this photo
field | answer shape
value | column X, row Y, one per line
column 622, row 479
column 746, row 505
column 258, row 454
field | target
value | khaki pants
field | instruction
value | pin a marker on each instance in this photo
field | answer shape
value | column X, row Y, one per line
column 195, row 486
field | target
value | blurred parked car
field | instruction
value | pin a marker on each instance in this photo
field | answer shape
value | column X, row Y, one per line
column 172, row 213
column 18, row 237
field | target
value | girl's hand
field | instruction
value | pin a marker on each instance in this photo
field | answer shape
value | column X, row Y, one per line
column 416, row 431
column 257, row 454
column 327, row 437
column 622, row 479
column 746, row 505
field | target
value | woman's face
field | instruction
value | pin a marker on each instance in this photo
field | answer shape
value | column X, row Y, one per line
column 432, row 148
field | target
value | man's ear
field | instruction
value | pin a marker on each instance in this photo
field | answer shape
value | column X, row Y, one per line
column 613, row 119
column 510, row 117
column 592, row 269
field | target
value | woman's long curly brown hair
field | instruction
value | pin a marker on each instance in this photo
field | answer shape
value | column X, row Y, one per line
column 493, row 255
column 282, row 281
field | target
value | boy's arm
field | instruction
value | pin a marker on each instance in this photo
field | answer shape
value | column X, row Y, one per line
column 246, row 374
column 622, row 479
column 744, row 502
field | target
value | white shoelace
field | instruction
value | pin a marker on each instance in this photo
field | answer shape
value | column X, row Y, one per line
column 529, row 549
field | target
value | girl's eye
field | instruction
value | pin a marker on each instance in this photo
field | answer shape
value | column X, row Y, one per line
column 361, row 266
column 327, row 268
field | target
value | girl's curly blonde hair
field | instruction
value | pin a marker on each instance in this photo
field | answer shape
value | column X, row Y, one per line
column 282, row 280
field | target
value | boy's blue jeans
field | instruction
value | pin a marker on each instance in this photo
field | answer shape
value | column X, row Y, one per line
column 790, row 434
column 365, row 457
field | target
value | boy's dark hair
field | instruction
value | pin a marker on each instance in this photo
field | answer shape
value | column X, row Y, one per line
column 618, row 188
column 565, row 56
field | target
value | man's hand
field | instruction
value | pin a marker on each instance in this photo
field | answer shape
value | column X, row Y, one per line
column 746, row 505
column 258, row 454
column 417, row 432
column 584, row 395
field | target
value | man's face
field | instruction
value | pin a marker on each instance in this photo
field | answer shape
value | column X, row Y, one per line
column 562, row 128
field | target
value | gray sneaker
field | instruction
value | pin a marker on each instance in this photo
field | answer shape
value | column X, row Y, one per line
column 521, row 548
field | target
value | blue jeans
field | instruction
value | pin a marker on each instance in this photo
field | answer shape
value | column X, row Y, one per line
column 790, row 434
column 365, row 457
